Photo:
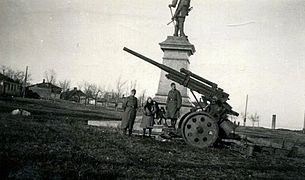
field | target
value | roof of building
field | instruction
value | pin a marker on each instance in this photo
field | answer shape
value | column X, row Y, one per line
column 6, row 78
column 45, row 85
column 73, row 93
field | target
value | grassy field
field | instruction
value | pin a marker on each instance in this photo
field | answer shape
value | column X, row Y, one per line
column 59, row 108
column 56, row 143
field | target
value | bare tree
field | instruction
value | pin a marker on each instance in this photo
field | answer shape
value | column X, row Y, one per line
column 87, row 91
column 142, row 98
column 98, row 93
column 93, row 91
column 65, row 84
column 50, row 76
column 254, row 118
column 7, row 71
column 119, row 87
column 16, row 75
column 132, row 85
column 80, row 86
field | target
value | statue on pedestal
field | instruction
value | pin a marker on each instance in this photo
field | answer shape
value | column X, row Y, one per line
column 181, row 12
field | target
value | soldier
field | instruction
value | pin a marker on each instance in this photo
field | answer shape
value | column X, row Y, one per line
column 130, row 106
column 181, row 12
column 173, row 104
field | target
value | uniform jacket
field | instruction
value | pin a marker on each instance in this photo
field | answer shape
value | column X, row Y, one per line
column 130, row 106
column 182, row 9
column 173, row 104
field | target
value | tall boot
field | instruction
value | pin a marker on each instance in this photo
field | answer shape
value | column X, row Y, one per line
column 181, row 27
column 125, row 131
column 149, row 132
column 165, row 123
column 144, row 131
column 159, row 121
column 176, row 29
column 173, row 123
column 129, row 132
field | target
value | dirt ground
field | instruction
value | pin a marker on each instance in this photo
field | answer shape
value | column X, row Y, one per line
column 56, row 143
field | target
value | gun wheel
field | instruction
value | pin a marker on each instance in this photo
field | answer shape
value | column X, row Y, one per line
column 199, row 130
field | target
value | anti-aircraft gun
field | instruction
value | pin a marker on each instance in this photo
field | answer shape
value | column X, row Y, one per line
column 209, row 123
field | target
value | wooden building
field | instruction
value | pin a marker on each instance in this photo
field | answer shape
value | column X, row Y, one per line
column 46, row 90
column 74, row 95
column 9, row 87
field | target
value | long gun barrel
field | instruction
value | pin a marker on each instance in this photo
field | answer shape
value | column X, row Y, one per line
column 208, row 89
column 161, row 66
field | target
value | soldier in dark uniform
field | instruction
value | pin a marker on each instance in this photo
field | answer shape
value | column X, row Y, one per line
column 173, row 104
column 130, row 106
column 181, row 12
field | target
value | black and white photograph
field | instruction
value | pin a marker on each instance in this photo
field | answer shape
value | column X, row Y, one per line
column 152, row 89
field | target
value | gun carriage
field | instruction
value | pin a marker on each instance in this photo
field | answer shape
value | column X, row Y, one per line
column 204, row 126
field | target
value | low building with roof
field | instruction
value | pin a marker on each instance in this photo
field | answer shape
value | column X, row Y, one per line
column 74, row 95
column 45, row 90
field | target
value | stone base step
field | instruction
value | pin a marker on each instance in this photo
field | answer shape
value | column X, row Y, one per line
column 117, row 124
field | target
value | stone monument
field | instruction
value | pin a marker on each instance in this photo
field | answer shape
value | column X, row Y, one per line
column 177, row 50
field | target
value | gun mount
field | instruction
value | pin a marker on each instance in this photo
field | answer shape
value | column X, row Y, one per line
column 208, row 123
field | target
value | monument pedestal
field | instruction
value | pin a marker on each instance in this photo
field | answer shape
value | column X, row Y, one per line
column 177, row 51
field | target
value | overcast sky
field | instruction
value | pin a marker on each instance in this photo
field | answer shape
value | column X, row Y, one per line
column 254, row 47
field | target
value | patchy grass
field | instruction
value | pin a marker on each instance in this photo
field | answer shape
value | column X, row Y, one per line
column 58, row 108
column 64, row 147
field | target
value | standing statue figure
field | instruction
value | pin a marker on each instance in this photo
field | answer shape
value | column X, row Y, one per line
column 181, row 12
